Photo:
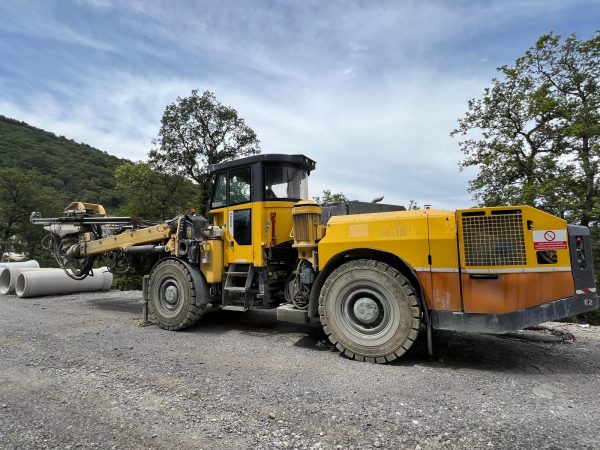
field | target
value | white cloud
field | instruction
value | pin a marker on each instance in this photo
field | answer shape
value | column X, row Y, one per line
column 363, row 88
column 37, row 20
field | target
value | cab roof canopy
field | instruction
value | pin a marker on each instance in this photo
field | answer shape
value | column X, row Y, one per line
column 301, row 161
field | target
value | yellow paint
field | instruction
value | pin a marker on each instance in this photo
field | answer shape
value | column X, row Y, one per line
column 261, row 230
column 402, row 233
column 120, row 241
column 358, row 230
column 540, row 221
column 211, row 262
column 414, row 235
column 430, row 242
column 95, row 209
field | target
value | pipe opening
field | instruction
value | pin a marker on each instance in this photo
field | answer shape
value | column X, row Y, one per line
column 4, row 281
column 20, row 284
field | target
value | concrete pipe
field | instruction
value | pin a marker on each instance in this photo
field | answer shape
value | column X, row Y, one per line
column 8, row 277
column 39, row 283
column 31, row 264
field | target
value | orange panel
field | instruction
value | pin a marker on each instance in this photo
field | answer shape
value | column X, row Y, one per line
column 445, row 293
column 514, row 291
column 425, row 282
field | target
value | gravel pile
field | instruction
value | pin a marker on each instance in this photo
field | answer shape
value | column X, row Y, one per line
column 79, row 371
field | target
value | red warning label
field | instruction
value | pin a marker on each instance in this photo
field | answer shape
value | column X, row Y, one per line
column 550, row 239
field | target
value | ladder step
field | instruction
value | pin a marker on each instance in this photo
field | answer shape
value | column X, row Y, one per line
column 238, row 294
column 235, row 289
column 234, row 308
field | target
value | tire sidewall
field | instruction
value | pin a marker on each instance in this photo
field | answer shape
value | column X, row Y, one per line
column 388, row 282
column 162, row 273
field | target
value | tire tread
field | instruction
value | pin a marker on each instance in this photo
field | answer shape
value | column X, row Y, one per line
column 404, row 284
column 194, row 312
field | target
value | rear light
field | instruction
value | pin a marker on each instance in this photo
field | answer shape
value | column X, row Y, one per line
column 580, row 252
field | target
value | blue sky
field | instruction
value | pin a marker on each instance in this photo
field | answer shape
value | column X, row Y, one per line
column 369, row 89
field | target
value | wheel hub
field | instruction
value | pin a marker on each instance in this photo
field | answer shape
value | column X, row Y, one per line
column 366, row 310
column 171, row 294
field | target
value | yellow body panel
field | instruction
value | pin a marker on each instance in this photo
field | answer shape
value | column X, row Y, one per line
column 442, row 287
column 523, row 285
column 93, row 208
column 399, row 232
column 264, row 217
column 539, row 220
column 211, row 261
column 431, row 243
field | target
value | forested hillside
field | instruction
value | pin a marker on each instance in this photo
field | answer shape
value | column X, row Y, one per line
column 40, row 171
column 77, row 170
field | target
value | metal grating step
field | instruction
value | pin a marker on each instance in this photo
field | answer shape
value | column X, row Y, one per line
column 232, row 291
column 235, row 289
column 234, row 308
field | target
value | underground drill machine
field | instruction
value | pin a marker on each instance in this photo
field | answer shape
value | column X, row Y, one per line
column 374, row 275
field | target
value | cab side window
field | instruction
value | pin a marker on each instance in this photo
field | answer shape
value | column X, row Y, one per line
column 239, row 186
column 220, row 193
column 242, row 226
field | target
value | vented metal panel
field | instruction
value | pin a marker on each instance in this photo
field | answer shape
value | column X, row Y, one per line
column 495, row 240
column 302, row 227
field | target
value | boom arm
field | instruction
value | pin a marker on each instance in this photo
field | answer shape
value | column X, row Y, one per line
column 84, row 232
column 126, row 240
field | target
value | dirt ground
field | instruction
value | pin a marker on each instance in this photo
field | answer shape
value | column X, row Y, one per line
column 79, row 371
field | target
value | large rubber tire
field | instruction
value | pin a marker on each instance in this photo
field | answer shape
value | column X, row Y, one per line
column 370, row 311
column 172, row 296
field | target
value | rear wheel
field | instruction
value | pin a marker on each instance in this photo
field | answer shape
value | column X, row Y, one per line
column 369, row 311
column 172, row 296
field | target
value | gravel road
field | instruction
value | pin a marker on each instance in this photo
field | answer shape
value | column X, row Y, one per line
column 79, row 371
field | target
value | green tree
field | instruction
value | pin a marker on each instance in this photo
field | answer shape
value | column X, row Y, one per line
column 534, row 134
column 22, row 192
column 329, row 198
column 413, row 206
column 570, row 71
column 197, row 131
column 151, row 194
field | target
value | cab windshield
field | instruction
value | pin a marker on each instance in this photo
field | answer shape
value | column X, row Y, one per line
column 285, row 183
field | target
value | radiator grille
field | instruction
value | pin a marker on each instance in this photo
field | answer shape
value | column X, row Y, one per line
column 302, row 227
column 495, row 240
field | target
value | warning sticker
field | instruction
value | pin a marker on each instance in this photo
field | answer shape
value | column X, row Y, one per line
column 550, row 239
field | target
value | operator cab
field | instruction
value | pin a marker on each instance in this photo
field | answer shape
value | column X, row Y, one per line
column 260, row 178
column 252, row 201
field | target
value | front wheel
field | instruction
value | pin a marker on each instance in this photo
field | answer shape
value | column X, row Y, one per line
column 370, row 311
column 172, row 296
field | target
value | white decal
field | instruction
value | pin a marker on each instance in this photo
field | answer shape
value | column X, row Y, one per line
column 550, row 239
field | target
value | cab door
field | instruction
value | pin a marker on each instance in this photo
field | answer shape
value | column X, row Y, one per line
column 238, row 236
column 232, row 209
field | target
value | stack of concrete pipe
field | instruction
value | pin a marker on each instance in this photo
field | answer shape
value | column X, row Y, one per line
column 31, row 264
column 27, row 279
column 9, row 275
